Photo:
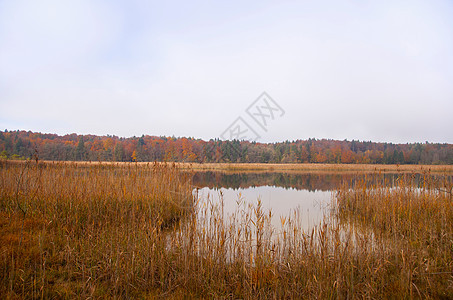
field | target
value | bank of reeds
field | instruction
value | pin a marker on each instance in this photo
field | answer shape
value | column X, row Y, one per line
column 412, row 220
column 295, row 167
column 69, row 230
column 315, row 167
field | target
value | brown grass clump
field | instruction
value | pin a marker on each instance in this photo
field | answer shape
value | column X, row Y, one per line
column 132, row 231
column 68, row 229
column 413, row 222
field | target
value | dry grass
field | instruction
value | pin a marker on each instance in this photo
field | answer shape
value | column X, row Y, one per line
column 413, row 223
column 95, row 230
column 69, row 230
column 299, row 167
column 316, row 167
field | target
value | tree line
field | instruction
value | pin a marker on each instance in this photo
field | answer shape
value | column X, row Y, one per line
column 25, row 144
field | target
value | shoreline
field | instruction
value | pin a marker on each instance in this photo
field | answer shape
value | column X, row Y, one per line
column 275, row 167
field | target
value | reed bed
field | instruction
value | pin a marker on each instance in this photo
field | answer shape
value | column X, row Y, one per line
column 294, row 167
column 67, row 229
column 315, row 167
column 413, row 221
column 136, row 231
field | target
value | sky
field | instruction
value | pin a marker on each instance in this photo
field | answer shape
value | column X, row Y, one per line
column 363, row 70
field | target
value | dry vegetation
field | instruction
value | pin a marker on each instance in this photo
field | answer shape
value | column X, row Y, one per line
column 412, row 229
column 235, row 167
column 69, row 229
column 104, row 230
column 289, row 168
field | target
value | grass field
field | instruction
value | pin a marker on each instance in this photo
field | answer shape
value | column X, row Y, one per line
column 317, row 167
column 307, row 167
column 80, row 230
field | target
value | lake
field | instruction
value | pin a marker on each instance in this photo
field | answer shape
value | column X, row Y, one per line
column 308, row 195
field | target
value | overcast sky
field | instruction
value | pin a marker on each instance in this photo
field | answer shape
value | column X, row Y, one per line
column 367, row 70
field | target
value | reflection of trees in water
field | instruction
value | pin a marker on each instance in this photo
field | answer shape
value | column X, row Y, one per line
column 300, row 181
column 306, row 181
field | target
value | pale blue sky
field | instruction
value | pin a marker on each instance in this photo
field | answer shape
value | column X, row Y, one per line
column 368, row 70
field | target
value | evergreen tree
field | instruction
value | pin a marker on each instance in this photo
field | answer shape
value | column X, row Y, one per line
column 118, row 152
column 81, row 152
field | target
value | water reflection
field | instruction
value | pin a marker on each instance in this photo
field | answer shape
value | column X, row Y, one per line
column 283, row 193
column 301, row 181
column 310, row 181
column 309, row 205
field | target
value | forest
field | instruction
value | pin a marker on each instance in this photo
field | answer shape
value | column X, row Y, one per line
column 73, row 147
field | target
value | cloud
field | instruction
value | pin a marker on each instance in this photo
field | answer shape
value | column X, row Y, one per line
column 357, row 71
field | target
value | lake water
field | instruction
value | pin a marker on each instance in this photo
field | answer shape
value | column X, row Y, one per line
column 284, row 194
column 309, row 194
column 310, row 205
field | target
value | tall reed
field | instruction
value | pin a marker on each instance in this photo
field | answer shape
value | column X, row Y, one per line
column 70, row 229
column 413, row 221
